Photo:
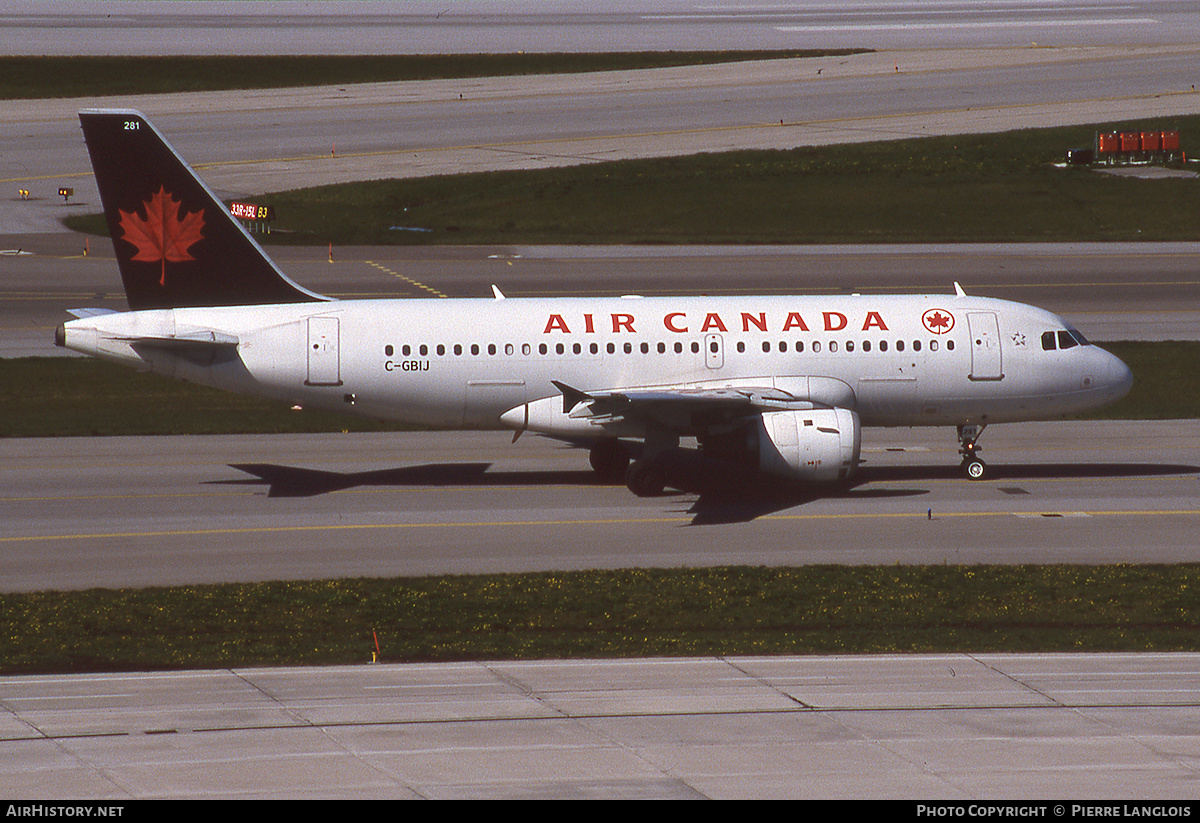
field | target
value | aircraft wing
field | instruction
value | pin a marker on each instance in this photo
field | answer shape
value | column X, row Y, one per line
column 736, row 402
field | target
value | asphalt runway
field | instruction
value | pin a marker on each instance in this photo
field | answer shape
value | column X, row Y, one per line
column 115, row 512
column 421, row 26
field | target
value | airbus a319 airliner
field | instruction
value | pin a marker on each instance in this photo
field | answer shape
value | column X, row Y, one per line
column 777, row 386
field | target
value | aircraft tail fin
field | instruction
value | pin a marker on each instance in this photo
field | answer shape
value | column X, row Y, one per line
column 176, row 243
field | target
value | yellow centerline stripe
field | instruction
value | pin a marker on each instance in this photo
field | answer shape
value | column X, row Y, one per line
column 543, row 523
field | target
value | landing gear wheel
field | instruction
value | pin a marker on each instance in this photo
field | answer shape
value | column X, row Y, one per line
column 609, row 460
column 968, row 447
column 974, row 468
column 644, row 480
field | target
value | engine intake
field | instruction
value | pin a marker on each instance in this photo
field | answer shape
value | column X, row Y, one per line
column 817, row 445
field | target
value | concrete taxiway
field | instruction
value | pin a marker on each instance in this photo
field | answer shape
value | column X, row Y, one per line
column 954, row 727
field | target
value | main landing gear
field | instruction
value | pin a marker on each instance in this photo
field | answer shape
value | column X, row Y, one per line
column 613, row 463
column 644, row 479
column 609, row 460
column 972, row 466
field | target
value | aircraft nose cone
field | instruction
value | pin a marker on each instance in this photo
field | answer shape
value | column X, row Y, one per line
column 1118, row 378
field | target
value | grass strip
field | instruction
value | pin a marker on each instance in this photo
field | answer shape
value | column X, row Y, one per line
column 979, row 188
column 961, row 189
column 1006, row 187
column 630, row 613
column 45, row 77
column 71, row 397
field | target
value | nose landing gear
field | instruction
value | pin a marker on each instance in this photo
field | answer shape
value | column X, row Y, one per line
column 972, row 466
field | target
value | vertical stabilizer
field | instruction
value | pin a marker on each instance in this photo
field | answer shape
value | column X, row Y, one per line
column 176, row 243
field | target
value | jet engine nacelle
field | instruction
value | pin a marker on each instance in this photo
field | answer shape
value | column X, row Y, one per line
column 817, row 445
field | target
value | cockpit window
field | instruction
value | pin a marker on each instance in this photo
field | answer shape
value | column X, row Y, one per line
column 1063, row 339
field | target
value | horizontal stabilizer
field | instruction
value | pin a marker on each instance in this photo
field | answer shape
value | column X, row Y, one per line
column 204, row 348
column 81, row 313
column 193, row 340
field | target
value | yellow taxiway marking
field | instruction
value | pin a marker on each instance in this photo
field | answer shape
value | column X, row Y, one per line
column 543, row 523
column 408, row 280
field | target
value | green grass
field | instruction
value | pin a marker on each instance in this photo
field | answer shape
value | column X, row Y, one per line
column 1166, row 381
column 987, row 188
column 717, row 611
column 971, row 188
column 68, row 397
column 44, row 77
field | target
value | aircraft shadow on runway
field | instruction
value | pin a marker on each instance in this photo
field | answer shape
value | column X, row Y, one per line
column 293, row 481
column 718, row 498
column 747, row 502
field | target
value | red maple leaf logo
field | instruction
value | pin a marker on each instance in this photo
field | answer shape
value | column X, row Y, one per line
column 162, row 234
column 937, row 322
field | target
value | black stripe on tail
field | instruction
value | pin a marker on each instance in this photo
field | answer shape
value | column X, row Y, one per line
column 176, row 243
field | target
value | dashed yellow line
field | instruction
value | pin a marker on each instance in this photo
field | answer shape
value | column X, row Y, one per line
column 408, row 280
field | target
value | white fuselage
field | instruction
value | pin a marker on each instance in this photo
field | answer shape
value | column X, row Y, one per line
column 897, row 360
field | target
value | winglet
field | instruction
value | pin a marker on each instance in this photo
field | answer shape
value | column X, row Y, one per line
column 958, row 290
column 496, row 291
column 571, row 397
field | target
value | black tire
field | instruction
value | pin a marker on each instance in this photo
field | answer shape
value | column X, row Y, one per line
column 644, row 480
column 609, row 460
column 974, row 468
